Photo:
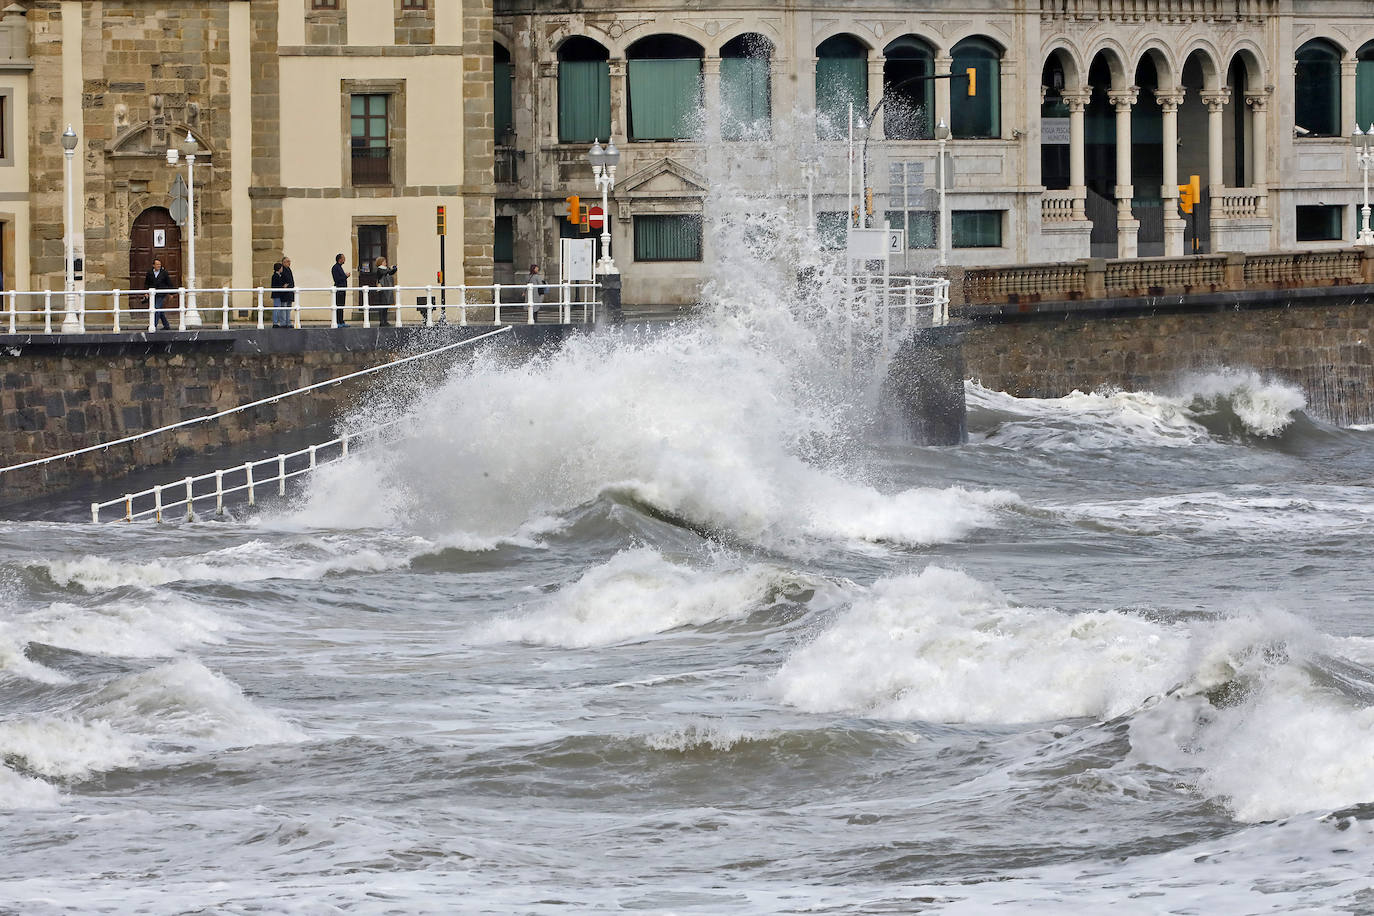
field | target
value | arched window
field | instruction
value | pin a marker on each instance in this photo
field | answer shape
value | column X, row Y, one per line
column 1364, row 86
column 981, row 114
column 584, row 91
column 1317, row 89
column 910, row 106
column 503, row 78
column 841, row 81
column 665, row 88
column 746, row 88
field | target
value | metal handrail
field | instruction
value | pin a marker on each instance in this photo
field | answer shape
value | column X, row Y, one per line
column 575, row 303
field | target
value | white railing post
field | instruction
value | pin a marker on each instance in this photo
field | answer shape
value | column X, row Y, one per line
column 129, row 508
column 281, row 475
column 47, row 311
column 261, row 307
column 252, row 493
column 219, row 492
column 14, row 311
column 115, row 306
column 81, row 310
column 181, row 307
column 224, row 309
column 367, row 311
column 343, row 442
column 157, row 501
column 400, row 302
column 312, row 456
column 462, row 306
column 95, row 513
column 496, row 303
column 190, row 501
column 152, row 311
column 529, row 302
column 429, row 306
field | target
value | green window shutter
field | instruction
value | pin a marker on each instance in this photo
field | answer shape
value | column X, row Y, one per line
column 744, row 98
column 1364, row 93
column 668, row 238
column 976, row 229
column 1317, row 89
column 665, row 99
column 584, row 100
column 979, row 116
column 503, row 248
column 920, row 231
column 839, row 82
column 503, row 78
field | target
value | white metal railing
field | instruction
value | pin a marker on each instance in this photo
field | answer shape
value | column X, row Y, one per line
column 243, row 478
column 91, row 311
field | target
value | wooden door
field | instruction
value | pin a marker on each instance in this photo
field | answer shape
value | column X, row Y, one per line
column 154, row 235
column 371, row 246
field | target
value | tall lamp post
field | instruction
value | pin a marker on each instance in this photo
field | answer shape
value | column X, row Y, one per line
column 603, row 163
column 1364, row 157
column 941, row 135
column 189, row 148
column 71, row 322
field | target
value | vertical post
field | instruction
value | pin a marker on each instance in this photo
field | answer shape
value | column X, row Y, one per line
column 429, row 299
column 343, row 444
column 1126, row 240
column 529, row 301
column 496, row 303
column 849, row 201
column 47, row 311
column 71, row 322
column 181, row 307
column 1216, row 106
column 1169, row 103
column 219, row 492
column 463, row 306
column 95, row 513
column 281, row 475
column 1077, row 100
column 157, row 502
column 129, row 507
column 1259, row 150
column 942, row 230
column 190, row 502
column 252, row 494
column 261, row 307
column 367, row 316
column 151, row 302
column 115, row 305
column 312, row 456
column 14, row 311
column 224, row 311
column 191, row 318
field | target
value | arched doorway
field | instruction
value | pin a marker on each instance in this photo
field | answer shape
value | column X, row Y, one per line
column 154, row 235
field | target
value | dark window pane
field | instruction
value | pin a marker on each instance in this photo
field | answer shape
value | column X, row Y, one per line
column 668, row 238
column 976, row 229
column 1320, row 223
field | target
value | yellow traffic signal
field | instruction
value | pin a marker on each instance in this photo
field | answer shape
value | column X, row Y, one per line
column 1190, row 194
column 574, row 209
column 440, row 220
column 855, row 217
column 972, row 73
column 868, row 201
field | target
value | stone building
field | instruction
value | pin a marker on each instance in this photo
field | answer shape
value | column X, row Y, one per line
column 322, row 126
column 1086, row 116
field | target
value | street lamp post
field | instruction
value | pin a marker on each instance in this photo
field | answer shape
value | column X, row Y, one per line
column 71, row 322
column 603, row 163
column 189, row 148
column 1364, row 157
column 941, row 135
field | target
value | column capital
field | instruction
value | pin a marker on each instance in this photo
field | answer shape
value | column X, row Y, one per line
column 710, row 64
column 1257, row 101
column 548, row 68
column 617, row 66
column 943, row 64
column 1076, row 99
column 1215, row 99
column 1124, row 99
column 1170, row 99
column 1348, row 65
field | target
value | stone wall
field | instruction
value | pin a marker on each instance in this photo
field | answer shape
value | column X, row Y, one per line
column 1320, row 344
column 57, row 397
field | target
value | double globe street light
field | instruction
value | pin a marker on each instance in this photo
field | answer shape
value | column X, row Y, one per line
column 603, row 163
column 189, row 148
column 1364, row 158
column 71, row 321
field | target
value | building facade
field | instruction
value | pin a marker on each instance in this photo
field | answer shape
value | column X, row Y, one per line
column 321, row 126
column 1084, row 118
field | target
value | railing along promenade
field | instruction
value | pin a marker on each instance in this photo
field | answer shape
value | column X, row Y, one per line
column 93, row 311
column 1099, row 278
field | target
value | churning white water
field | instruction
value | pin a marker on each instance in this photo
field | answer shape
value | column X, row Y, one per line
column 657, row 621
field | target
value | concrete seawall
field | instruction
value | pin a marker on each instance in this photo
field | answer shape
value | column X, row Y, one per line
column 60, row 394
column 1318, row 339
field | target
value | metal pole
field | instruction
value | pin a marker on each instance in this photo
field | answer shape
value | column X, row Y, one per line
column 849, row 206
column 190, row 502
column 219, row 492
column 115, row 297
column 941, row 230
column 191, row 316
column 71, row 322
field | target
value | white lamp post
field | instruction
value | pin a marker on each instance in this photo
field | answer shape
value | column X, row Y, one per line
column 71, row 322
column 941, row 135
column 603, row 163
column 189, row 148
column 1364, row 157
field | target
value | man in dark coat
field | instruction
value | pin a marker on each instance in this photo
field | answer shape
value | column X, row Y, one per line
column 340, row 292
column 158, row 278
column 288, row 282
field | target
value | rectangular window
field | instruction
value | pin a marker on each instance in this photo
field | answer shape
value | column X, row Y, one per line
column 503, row 249
column 1364, row 93
column 832, row 230
column 584, row 101
column 668, row 238
column 368, row 127
column 414, row 4
column 975, row 229
column 840, row 82
column 324, row 4
column 922, row 230
column 665, row 99
column 4, row 127
column 1320, row 223
column 745, row 98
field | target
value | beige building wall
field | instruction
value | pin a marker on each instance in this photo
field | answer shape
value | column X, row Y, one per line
column 15, row 66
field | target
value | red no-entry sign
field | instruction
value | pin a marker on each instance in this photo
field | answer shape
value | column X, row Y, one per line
column 596, row 217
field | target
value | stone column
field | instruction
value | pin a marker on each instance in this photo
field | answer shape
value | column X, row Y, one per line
column 1126, row 223
column 1259, row 150
column 942, row 68
column 548, row 86
column 620, row 109
column 710, row 101
column 875, row 92
column 1169, row 101
column 1216, row 100
column 1077, row 101
column 1348, row 66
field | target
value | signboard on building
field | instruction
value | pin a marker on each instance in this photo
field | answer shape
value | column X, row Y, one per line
column 1054, row 130
column 575, row 260
column 873, row 244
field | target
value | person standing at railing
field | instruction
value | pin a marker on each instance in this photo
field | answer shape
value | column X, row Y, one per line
column 536, row 279
column 158, row 278
column 384, row 297
column 289, row 285
column 281, row 315
column 340, row 290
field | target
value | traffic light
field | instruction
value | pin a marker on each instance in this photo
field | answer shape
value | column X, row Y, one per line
column 574, row 209
column 440, row 220
column 855, row 218
column 868, row 201
column 1190, row 194
column 972, row 73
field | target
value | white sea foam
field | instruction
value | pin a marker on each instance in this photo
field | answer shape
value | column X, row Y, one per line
column 639, row 593
column 19, row 792
column 704, row 735
column 1231, row 704
column 1265, row 406
column 67, row 748
column 149, row 627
